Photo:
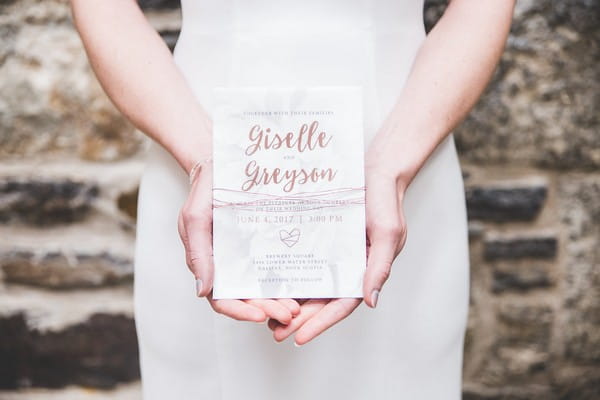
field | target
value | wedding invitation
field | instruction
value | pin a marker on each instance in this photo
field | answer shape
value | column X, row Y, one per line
column 288, row 192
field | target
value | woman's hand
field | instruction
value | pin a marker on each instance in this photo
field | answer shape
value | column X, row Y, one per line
column 386, row 227
column 195, row 230
column 386, row 235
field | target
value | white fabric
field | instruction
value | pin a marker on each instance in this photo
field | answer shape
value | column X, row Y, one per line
column 411, row 345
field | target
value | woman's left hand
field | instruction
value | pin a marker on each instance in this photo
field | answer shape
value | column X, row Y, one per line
column 386, row 235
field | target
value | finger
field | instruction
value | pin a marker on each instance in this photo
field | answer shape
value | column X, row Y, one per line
column 329, row 315
column 237, row 309
column 273, row 323
column 197, row 226
column 384, row 246
column 308, row 309
column 273, row 309
column 186, row 245
column 182, row 234
column 291, row 304
column 184, row 237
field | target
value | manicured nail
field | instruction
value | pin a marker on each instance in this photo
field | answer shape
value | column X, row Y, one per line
column 374, row 297
column 198, row 286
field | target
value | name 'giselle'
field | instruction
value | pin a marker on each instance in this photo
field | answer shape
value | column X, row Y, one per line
column 305, row 139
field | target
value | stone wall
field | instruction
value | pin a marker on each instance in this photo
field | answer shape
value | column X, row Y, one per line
column 70, row 167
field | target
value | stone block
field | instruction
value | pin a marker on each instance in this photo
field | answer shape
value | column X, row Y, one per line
column 520, row 278
column 579, row 212
column 518, row 349
column 503, row 204
column 518, row 247
column 65, row 269
column 582, row 337
column 45, row 202
column 123, row 391
column 99, row 352
column 516, row 366
column 53, row 339
column 525, row 325
column 585, row 385
column 508, row 392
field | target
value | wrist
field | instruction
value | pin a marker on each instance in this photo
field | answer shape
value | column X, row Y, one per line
column 389, row 171
column 200, row 153
column 194, row 146
column 199, row 166
column 399, row 150
column 395, row 161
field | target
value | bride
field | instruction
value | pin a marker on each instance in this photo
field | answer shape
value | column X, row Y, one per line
column 418, row 88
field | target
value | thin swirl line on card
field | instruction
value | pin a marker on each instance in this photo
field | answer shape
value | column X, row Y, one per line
column 316, row 199
column 244, row 208
column 318, row 192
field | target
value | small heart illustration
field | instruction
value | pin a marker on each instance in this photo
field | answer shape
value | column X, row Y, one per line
column 289, row 238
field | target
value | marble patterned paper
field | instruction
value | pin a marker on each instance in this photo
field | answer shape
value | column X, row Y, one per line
column 288, row 192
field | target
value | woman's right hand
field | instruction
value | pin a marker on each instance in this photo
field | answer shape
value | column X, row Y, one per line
column 195, row 229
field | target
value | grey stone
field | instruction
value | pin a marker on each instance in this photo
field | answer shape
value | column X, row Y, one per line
column 579, row 213
column 541, row 108
column 99, row 352
column 52, row 338
column 517, row 278
column 60, row 269
column 525, row 325
column 520, row 247
column 45, row 202
column 518, row 353
column 509, row 392
column 502, row 204
column 123, row 391
column 52, row 104
column 582, row 339
column 583, row 386
column 515, row 365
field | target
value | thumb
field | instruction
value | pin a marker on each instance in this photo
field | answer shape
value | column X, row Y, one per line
column 384, row 244
column 199, row 255
column 195, row 227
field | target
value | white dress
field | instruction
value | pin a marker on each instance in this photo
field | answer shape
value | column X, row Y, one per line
column 411, row 345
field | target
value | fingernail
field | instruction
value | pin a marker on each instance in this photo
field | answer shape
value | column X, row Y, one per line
column 374, row 297
column 296, row 344
column 198, row 286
